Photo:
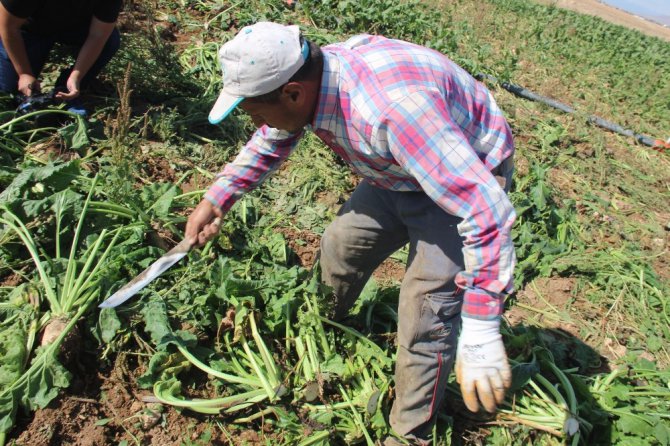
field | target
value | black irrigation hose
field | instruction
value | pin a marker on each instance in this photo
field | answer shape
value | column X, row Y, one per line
column 656, row 144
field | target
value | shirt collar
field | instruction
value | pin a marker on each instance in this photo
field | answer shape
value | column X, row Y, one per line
column 327, row 103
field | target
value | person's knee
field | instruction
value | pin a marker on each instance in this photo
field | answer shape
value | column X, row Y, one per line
column 333, row 242
column 8, row 76
column 7, row 85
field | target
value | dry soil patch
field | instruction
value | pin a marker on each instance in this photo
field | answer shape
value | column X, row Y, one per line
column 612, row 14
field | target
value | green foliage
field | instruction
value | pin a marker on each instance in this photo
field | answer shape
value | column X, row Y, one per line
column 614, row 273
column 543, row 230
column 588, row 62
column 63, row 285
column 29, row 192
column 36, row 386
column 315, row 363
column 639, row 400
column 13, row 353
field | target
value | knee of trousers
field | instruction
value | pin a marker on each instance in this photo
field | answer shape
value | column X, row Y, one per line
column 8, row 76
column 328, row 244
column 346, row 277
column 337, row 257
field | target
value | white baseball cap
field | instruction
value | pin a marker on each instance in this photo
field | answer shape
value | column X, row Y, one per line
column 259, row 59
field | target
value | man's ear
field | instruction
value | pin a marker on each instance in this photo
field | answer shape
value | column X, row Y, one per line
column 293, row 94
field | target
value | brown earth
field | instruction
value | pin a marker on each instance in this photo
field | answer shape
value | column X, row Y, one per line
column 612, row 14
column 103, row 406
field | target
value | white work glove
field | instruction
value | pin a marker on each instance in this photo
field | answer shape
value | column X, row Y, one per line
column 482, row 369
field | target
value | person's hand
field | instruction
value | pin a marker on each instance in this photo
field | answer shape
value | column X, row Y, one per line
column 72, row 86
column 203, row 224
column 482, row 369
column 28, row 85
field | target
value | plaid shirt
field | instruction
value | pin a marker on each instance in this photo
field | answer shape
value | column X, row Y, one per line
column 406, row 118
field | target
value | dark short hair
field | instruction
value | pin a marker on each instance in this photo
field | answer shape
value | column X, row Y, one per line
column 309, row 69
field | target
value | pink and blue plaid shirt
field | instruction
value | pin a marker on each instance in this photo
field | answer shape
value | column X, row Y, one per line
column 406, row 118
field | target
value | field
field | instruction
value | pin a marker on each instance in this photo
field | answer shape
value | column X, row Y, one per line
column 233, row 345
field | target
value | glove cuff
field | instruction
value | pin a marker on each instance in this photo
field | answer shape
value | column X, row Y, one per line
column 478, row 331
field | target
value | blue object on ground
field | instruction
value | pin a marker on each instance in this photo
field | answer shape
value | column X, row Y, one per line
column 75, row 106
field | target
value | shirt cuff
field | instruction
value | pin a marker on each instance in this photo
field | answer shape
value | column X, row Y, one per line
column 219, row 197
column 478, row 304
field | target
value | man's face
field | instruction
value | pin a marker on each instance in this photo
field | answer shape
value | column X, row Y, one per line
column 276, row 115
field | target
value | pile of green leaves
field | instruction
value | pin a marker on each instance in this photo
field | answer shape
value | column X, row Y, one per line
column 317, row 373
column 67, row 251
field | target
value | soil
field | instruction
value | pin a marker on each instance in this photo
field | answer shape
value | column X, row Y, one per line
column 551, row 302
column 304, row 244
column 157, row 168
column 103, row 407
column 612, row 14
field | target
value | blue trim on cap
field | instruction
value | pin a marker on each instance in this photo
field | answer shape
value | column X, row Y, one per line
column 216, row 120
column 305, row 50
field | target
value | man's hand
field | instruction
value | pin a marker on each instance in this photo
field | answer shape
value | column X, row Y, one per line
column 72, row 86
column 202, row 224
column 482, row 369
column 98, row 33
column 28, row 84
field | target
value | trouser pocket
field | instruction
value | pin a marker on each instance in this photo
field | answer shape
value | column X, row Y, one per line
column 436, row 326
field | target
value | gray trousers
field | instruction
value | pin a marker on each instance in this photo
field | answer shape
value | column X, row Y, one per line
column 371, row 226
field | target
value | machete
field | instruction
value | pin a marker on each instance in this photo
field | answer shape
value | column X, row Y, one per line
column 148, row 275
column 145, row 277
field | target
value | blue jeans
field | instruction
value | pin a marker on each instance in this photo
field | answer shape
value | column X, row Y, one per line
column 38, row 48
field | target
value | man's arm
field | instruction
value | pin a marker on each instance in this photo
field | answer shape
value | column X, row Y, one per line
column 261, row 156
column 98, row 34
column 10, row 33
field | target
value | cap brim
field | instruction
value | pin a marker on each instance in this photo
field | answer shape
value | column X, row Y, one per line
column 223, row 106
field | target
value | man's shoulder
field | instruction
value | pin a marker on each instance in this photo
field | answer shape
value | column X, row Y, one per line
column 376, row 50
column 365, row 42
column 107, row 10
column 366, row 59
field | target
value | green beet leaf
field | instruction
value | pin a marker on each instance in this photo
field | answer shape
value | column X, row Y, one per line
column 12, row 354
column 109, row 324
column 634, row 424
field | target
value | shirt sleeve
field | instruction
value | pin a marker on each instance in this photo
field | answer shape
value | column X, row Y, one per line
column 108, row 10
column 261, row 156
column 20, row 8
column 427, row 142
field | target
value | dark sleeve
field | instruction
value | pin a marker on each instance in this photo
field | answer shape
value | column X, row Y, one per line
column 21, row 8
column 104, row 10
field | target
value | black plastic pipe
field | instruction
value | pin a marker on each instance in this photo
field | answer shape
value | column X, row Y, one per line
column 600, row 122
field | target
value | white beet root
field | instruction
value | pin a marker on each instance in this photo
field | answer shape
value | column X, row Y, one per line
column 53, row 329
